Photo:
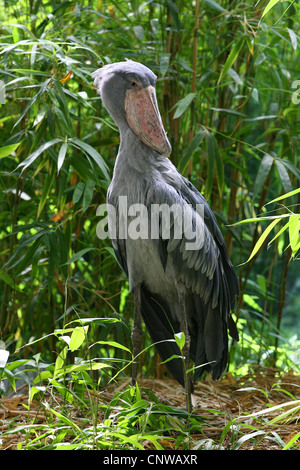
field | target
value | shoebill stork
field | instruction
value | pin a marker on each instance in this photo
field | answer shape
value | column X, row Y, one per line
column 175, row 288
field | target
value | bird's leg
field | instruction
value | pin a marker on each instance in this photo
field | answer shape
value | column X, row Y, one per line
column 137, row 332
column 186, row 347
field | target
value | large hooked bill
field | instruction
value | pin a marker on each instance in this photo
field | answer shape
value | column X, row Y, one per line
column 144, row 119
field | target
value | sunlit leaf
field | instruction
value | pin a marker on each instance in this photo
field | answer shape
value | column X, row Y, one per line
column 262, row 239
column 8, row 150
column 180, row 339
column 269, row 6
column 77, row 337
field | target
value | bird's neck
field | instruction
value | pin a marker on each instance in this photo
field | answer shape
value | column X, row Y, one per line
column 136, row 163
column 133, row 153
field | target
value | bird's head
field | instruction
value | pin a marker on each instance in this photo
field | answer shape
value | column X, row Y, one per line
column 127, row 90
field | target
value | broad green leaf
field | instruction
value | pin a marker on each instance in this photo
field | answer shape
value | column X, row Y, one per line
column 78, row 191
column 210, row 171
column 60, row 361
column 77, row 337
column 164, row 61
column 190, row 150
column 232, row 57
column 262, row 173
column 46, row 189
column 183, row 104
column 235, row 76
column 260, row 219
column 8, row 150
column 174, row 12
column 284, row 196
column 214, row 160
column 83, row 366
column 15, row 35
column 293, row 37
column 270, row 5
column 11, row 378
column 262, row 238
column 7, row 279
column 180, row 339
column 216, row 6
column 284, row 176
column 79, row 255
column 3, row 358
column 246, row 437
column 292, row 441
column 280, row 232
column 88, row 194
column 92, row 153
column 61, row 156
column 33, row 156
column 33, row 100
column 65, row 419
column 139, row 32
column 294, row 233
column 248, row 299
column 113, row 344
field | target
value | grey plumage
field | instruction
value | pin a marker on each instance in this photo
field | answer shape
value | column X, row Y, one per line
column 144, row 175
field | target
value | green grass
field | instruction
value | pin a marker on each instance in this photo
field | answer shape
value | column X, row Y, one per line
column 85, row 402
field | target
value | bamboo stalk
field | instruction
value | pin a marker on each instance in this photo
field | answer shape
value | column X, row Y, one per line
column 194, row 76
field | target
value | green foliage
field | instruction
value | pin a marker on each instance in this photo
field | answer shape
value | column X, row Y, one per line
column 226, row 89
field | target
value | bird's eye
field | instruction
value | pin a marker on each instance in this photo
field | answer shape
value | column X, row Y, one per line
column 133, row 84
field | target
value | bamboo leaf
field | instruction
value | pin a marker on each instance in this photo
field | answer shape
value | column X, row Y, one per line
column 190, row 150
column 61, row 156
column 284, row 176
column 33, row 100
column 113, row 344
column 259, row 219
column 93, row 153
column 164, row 63
column 270, row 5
column 183, row 104
column 88, row 194
column 7, row 279
column 216, row 6
column 233, row 55
column 3, row 358
column 293, row 37
column 60, row 361
column 33, row 156
column 78, row 191
column 280, row 232
column 262, row 239
column 284, row 196
column 79, row 255
column 294, row 233
column 262, row 173
column 180, row 339
column 8, row 150
column 214, row 159
column 45, row 192
column 174, row 12
column 77, row 337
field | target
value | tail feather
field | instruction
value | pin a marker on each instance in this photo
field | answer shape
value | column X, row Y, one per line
column 209, row 340
column 161, row 328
